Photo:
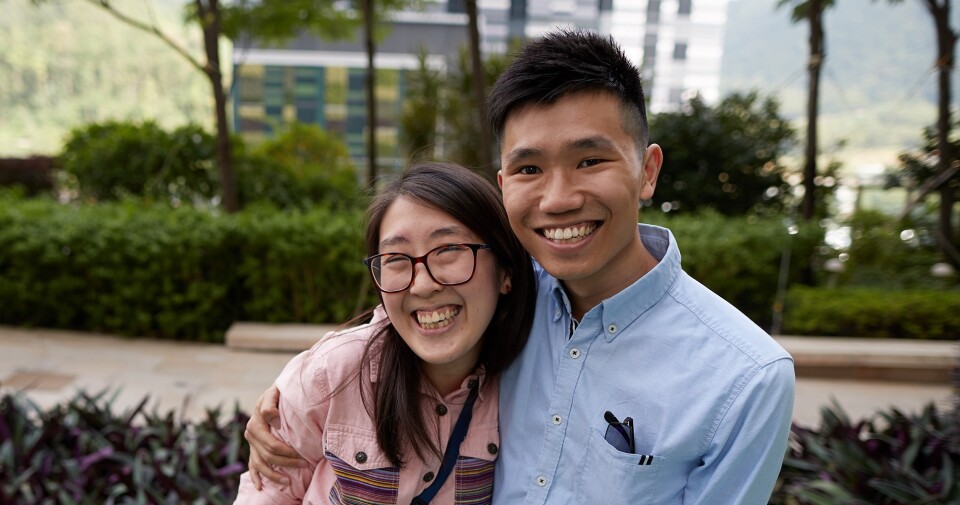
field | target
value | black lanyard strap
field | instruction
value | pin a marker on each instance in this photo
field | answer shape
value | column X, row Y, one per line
column 453, row 449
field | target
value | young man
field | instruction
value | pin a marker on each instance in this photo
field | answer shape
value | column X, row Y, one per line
column 638, row 384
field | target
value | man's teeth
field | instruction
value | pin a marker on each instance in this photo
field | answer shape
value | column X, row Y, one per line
column 437, row 318
column 571, row 233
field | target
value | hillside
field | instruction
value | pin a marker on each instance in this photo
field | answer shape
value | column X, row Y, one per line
column 878, row 89
column 66, row 63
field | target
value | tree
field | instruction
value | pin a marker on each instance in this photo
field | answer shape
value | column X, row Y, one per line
column 484, row 158
column 812, row 12
column 726, row 158
column 418, row 122
column 945, row 153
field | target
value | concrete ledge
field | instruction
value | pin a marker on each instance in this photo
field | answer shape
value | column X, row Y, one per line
column 930, row 362
column 275, row 337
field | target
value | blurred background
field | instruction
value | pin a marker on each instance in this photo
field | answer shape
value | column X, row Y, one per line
column 169, row 168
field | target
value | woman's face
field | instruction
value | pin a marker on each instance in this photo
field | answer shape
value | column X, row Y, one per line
column 443, row 325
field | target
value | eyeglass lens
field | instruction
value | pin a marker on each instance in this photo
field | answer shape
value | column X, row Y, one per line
column 616, row 436
column 452, row 264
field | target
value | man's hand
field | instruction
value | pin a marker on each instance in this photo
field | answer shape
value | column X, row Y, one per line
column 266, row 449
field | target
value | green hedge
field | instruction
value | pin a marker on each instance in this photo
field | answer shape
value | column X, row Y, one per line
column 739, row 257
column 872, row 312
column 142, row 270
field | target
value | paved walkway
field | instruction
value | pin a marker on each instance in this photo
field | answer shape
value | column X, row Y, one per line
column 51, row 365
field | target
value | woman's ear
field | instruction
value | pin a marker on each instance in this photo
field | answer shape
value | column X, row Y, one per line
column 506, row 284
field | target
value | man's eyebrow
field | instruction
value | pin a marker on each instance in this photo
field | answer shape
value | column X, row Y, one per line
column 521, row 153
column 595, row 142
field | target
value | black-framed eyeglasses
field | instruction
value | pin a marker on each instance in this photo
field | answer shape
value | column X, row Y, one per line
column 448, row 265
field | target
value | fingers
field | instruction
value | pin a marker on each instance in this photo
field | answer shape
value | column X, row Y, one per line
column 260, row 469
column 269, row 408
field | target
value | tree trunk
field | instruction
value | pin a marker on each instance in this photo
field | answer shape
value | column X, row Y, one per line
column 371, row 94
column 817, row 55
column 485, row 149
column 946, row 40
column 209, row 14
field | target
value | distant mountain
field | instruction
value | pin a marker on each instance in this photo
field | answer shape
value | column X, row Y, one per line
column 878, row 88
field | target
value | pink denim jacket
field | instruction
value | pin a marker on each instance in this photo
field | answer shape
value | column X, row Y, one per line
column 337, row 436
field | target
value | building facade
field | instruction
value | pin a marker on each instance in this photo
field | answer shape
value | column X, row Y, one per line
column 677, row 43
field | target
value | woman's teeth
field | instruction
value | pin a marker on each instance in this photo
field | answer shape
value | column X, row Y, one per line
column 432, row 320
column 569, row 234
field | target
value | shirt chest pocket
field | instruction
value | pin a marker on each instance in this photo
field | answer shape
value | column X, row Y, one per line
column 364, row 474
column 612, row 477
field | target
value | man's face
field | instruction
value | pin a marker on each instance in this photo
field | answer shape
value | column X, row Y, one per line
column 572, row 182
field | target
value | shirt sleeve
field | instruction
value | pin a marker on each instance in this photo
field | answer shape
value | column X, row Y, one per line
column 743, row 461
column 302, row 419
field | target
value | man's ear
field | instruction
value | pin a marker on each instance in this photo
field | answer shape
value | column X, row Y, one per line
column 652, row 162
column 500, row 179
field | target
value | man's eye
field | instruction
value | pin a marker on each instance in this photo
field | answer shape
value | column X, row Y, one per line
column 590, row 162
column 528, row 170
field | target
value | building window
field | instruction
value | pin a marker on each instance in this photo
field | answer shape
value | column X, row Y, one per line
column 649, row 50
column 680, row 51
column 518, row 9
column 653, row 11
column 676, row 96
column 606, row 5
column 456, row 6
column 685, row 7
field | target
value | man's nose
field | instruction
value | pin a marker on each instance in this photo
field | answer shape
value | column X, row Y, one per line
column 560, row 193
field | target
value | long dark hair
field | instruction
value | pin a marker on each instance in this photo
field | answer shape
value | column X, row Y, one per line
column 473, row 201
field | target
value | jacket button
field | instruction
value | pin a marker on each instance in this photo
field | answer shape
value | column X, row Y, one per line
column 428, row 477
column 361, row 457
column 492, row 448
column 441, row 409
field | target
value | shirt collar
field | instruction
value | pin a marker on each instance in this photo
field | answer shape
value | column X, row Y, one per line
column 619, row 311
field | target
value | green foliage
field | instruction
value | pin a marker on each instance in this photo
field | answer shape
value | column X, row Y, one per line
column 872, row 312
column 301, row 167
column 739, row 257
column 84, row 452
column 727, row 157
column 113, row 159
column 149, row 270
column 920, row 165
column 894, row 458
column 315, row 161
column 459, row 114
column 886, row 253
column 418, row 122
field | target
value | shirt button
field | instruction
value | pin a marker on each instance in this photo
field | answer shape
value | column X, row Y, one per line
column 441, row 409
column 557, row 419
column 612, row 328
column 427, row 477
column 574, row 353
column 541, row 481
column 492, row 448
column 361, row 457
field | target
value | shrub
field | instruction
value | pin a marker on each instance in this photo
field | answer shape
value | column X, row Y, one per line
column 111, row 160
column 739, row 257
column 873, row 312
column 149, row 270
column 894, row 458
column 83, row 452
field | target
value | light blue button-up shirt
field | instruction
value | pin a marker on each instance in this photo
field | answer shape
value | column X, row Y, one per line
column 710, row 393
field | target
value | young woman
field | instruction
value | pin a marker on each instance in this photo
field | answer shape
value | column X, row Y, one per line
column 403, row 409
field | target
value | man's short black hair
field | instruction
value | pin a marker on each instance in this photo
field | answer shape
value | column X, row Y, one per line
column 567, row 61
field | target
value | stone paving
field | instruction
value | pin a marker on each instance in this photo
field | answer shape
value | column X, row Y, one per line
column 52, row 365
